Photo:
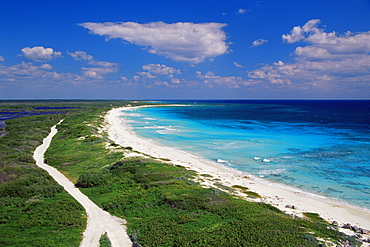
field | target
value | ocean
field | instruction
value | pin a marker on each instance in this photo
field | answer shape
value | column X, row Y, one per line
column 317, row 146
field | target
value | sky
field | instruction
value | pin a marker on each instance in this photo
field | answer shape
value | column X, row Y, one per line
column 185, row 49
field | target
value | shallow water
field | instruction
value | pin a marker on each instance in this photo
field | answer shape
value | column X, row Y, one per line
column 317, row 146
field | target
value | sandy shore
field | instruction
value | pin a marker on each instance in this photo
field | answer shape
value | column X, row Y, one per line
column 272, row 193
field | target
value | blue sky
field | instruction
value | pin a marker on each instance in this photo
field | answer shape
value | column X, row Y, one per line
column 242, row 49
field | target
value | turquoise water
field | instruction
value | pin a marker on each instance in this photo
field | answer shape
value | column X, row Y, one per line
column 318, row 148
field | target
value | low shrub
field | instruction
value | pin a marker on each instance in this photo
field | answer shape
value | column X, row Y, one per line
column 90, row 179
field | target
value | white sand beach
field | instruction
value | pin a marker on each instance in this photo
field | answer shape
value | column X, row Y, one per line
column 272, row 193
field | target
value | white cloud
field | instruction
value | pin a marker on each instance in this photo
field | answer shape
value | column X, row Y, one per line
column 155, row 75
column 23, row 70
column 315, row 73
column 181, row 41
column 242, row 11
column 2, row 59
column 332, row 42
column 332, row 46
column 175, row 80
column 40, row 54
column 42, row 74
column 97, row 72
column 298, row 33
column 328, row 59
column 45, row 66
column 259, row 42
column 83, row 56
column 146, row 75
column 279, row 63
column 211, row 80
column 80, row 56
column 160, row 69
column 103, row 63
column 324, row 45
column 238, row 65
column 92, row 74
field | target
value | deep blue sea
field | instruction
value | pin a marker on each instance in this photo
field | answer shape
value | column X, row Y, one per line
column 322, row 147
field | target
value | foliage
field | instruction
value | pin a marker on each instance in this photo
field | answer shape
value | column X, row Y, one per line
column 104, row 241
column 90, row 179
column 34, row 209
column 315, row 217
column 162, row 210
column 53, row 221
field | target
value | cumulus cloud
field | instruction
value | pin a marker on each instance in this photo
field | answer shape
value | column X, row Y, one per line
column 181, row 41
column 23, row 70
column 323, row 45
column 2, row 59
column 175, row 80
column 40, row 54
column 238, row 65
column 83, row 56
column 242, row 11
column 327, row 43
column 103, row 63
column 328, row 58
column 259, row 42
column 160, row 69
column 146, row 75
column 211, row 80
column 31, row 72
column 97, row 72
column 155, row 75
column 298, row 33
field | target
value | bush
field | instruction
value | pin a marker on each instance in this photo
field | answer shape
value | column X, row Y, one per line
column 90, row 179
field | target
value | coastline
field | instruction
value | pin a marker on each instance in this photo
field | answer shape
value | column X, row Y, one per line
column 272, row 193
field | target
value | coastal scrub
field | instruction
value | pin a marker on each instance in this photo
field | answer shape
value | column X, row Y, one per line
column 163, row 204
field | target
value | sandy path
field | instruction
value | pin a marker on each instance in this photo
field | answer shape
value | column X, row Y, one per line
column 99, row 221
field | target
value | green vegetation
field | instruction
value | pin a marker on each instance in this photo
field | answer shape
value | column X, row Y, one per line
column 315, row 217
column 34, row 209
column 104, row 241
column 246, row 191
column 164, row 206
column 162, row 203
column 55, row 221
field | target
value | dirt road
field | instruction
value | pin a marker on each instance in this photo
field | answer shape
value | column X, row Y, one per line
column 99, row 221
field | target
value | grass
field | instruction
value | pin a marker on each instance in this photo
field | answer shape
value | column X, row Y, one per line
column 162, row 210
column 104, row 241
column 34, row 209
column 246, row 191
column 55, row 221
column 315, row 217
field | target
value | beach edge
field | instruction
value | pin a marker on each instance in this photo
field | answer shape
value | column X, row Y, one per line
column 290, row 201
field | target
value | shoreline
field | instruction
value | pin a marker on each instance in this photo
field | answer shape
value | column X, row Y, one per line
column 289, row 200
